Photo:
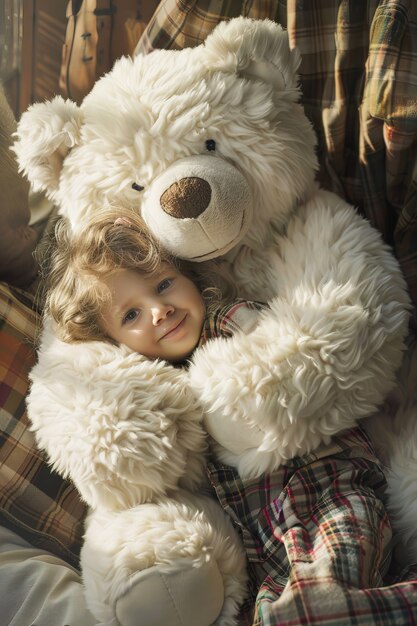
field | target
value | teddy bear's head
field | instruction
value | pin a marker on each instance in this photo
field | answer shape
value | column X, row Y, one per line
column 209, row 144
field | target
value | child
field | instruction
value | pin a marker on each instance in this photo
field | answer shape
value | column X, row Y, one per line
column 113, row 283
column 315, row 530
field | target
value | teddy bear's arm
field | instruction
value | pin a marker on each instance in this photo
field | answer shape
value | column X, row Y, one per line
column 325, row 353
column 128, row 432
column 124, row 429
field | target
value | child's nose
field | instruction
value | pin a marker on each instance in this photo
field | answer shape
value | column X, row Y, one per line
column 161, row 312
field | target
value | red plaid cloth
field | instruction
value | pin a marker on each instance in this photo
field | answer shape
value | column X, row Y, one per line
column 34, row 501
column 318, row 540
column 228, row 319
column 316, row 532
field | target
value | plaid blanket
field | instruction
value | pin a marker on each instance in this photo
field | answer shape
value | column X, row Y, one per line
column 359, row 84
column 316, row 531
column 34, row 500
column 318, row 540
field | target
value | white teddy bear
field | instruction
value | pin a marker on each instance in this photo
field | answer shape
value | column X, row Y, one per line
column 211, row 146
column 152, row 538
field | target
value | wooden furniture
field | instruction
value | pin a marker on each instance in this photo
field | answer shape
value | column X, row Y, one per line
column 39, row 28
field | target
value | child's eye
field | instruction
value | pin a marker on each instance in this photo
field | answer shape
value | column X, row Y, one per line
column 164, row 284
column 131, row 316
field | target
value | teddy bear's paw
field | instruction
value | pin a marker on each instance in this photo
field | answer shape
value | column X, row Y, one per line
column 173, row 546
column 244, row 412
column 185, row 598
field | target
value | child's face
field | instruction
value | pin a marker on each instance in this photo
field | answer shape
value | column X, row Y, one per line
column 159, row 316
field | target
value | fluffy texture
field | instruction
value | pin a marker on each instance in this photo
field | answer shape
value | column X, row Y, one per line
column 138, row 446
column 177, row 534
column 198, row 128
column 150, row 112
column 138, row 460
column 322, row 357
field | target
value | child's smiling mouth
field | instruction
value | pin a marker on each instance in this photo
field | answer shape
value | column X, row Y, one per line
column 175, row 329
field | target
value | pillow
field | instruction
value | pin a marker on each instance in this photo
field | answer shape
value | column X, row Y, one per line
column 34, row 500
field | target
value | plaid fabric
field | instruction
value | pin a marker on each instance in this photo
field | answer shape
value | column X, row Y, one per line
column 34, row 501
column 179, row 24
column 226, row 320
column 359, row 83
column 318, row 540
column 315, row 531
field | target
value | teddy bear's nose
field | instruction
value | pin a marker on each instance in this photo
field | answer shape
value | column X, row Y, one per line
column 188, row 197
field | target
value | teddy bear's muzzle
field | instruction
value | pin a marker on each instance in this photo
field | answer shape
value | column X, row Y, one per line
column 199, row 207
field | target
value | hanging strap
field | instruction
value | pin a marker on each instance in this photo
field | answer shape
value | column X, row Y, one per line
column 86, row 52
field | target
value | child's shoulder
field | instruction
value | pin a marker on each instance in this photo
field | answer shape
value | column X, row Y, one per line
column 231, row 317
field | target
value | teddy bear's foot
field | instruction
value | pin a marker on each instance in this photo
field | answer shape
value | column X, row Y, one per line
column 173, row 563
column 192, row 597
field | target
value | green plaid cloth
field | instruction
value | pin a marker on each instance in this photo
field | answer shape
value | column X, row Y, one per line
column 359, row 83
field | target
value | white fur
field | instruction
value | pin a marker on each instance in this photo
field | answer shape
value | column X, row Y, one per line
column 394, row 432
column 91, row 408
column 145, row 115
column 42, row 147
column 131, row 453
column 174, row 534
column 323, row 356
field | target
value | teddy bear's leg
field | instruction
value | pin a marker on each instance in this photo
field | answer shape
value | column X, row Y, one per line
column 169, row 562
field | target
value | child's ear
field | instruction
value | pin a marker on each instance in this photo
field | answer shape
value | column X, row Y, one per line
column 45, row 134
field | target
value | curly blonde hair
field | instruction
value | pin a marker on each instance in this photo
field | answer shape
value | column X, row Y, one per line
column 75, row 290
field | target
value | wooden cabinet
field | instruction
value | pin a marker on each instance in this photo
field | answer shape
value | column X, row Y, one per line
column 39, row 34
column 43, row 33
column 31, row 37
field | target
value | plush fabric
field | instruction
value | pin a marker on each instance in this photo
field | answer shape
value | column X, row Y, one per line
column 394, row 433
column 183, row 597
column 138, row 459
column 339, row 313
column 34, row 501
column 358, row 79
column 325, row 351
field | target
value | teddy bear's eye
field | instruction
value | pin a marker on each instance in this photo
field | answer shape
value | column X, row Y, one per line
column 210, row 145
column 137, row 187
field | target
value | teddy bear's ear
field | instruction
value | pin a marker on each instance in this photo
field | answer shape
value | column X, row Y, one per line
column 257, row 49
column 45, row 134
